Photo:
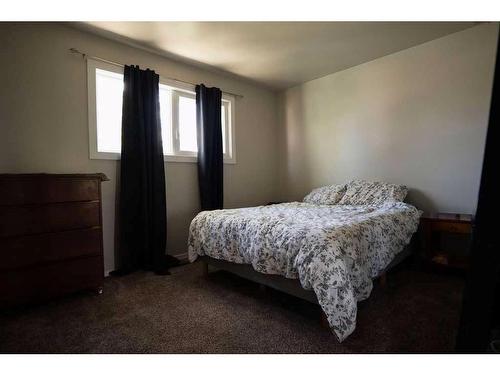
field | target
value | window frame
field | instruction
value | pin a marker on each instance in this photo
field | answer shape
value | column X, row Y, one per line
column 178, row 89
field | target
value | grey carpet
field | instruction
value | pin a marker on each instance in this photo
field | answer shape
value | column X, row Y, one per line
column 186, row 313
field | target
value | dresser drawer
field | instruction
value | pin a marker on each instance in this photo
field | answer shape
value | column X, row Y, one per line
column 23, row 220
column 22, row 190
column 17, row 252
column 38, row 283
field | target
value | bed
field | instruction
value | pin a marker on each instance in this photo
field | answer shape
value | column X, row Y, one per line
column 333, row 245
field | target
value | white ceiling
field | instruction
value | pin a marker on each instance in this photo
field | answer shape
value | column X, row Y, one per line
column 276, row 54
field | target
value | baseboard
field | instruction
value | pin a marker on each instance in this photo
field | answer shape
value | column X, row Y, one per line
column 183, row 257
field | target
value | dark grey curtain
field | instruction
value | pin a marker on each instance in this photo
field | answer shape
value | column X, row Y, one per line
column 210, row 157
column 142, row 203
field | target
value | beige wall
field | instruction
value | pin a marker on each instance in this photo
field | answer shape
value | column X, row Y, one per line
column 43, row 120
column 416, row 117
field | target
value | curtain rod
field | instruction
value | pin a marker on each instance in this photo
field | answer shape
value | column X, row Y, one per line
column 85, row 56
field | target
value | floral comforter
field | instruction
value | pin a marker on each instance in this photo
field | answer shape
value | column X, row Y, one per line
column 335, row 250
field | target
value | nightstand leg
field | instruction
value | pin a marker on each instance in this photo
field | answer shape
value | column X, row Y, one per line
column 383, row 280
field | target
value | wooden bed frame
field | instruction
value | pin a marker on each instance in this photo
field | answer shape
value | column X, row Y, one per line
column 289, row 286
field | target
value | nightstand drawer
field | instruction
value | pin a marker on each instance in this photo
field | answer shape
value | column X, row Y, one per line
column 443, row 226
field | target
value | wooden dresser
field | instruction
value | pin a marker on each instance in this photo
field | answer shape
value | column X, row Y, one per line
column 50, row 236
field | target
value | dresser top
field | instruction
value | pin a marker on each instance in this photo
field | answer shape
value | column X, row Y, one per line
column 83, row 176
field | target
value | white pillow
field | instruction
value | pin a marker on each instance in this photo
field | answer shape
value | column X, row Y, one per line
column 362, row 192
column 330, row 194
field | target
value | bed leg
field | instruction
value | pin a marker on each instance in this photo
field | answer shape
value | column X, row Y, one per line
column 324, row 320
column 383, row 280
column 204, row 269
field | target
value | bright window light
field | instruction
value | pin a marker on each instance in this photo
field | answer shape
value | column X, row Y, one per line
column 109, row 97
column 223, row 114
column 166, row 119
column 187, row 124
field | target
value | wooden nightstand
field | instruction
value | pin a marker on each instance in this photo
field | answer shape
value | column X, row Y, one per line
column 433, row 227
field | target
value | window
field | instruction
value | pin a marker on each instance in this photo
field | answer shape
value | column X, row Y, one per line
column 177, row 114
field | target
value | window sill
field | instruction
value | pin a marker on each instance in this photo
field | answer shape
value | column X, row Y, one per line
column 166, row 158
column 189, row 159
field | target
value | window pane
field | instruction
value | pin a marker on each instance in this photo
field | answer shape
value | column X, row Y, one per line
column 176, row 136
column 109, row 97
column 166, row 119
column 187, row 124
column 223, row 122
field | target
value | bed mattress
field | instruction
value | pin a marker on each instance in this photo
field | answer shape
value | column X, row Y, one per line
column 334, row 250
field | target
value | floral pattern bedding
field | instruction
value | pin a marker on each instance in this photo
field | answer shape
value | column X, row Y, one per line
column 372, row 192
column 334, row 250
column 330, row 194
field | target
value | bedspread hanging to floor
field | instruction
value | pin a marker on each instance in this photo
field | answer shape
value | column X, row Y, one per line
column 334, row 250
